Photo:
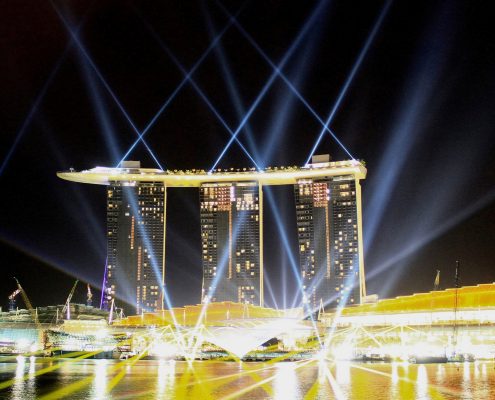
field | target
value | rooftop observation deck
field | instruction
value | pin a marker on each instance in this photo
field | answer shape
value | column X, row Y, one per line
column 194, row 178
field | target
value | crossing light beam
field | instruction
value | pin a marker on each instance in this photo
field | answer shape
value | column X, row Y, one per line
column 349, row 80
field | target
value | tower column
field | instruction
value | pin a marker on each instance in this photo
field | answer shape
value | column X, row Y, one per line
column 260, row 201
column 161, row 299
column 359, row 208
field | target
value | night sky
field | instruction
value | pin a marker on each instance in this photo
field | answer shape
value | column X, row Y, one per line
column 419, row 111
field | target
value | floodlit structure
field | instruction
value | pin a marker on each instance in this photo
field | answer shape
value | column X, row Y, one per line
column 330, row 237
column 467, row 305
column 237, row 328
column 135, row 244
column 231, row 239
column 212, row 314
column 456, row 323
column 232, row 227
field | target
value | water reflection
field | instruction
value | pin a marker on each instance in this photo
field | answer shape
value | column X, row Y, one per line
column 467, row 372
column 32, row 365
column 30, row 384
column 164, row 379
column 422, row 383
column 99, row 385
column 18, row 387
column 343, row 374
column 440, row 372
column 286, row 382
column 395, row 374
column 466, row 379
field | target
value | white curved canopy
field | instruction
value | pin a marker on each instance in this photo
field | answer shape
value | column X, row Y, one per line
column 194, row 178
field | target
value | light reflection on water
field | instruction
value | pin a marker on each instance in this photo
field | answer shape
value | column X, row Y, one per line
column 422, row 383
column 165, row 378
column 284, row 381
column 99, row 385
column 285, row 386
column 17, row 388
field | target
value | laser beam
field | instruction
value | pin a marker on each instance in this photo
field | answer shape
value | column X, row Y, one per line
column 199, row 91
column 315, row 14
column 288, row 82
column 37, row 102
column 105, row 83
column 231, row 85
column 179, row 87
column 350, row 78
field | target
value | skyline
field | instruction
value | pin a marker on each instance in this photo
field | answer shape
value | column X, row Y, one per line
column 417, row 111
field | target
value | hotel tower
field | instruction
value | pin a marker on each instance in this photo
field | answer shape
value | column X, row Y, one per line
column 231, row 242
column 135, row 243
column 328, row 211
column 329, row 228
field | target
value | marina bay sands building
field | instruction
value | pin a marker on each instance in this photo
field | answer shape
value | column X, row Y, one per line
column 135, row 244
column 328, row 212
column 231, row 233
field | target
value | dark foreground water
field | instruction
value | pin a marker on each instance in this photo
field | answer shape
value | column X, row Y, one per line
column 30, row 378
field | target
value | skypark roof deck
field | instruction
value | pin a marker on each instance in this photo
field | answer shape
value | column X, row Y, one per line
column 194, row 178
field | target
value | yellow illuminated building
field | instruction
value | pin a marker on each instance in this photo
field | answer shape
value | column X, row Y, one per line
column 466, row 305
column 207, row 314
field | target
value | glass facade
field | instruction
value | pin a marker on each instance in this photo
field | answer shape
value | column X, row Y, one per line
column 231, row 240
column 135, row 244
column 328, row 233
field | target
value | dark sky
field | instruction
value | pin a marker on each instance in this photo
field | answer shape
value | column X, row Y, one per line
column 419, row 111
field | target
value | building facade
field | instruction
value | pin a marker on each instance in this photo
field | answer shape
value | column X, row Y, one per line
column 329, row 223
column 231, row 242
column 135, row 245
column 329, row 229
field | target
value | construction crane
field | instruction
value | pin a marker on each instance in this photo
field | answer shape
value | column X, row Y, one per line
column 12, row 299
column 69, row 298
column 27, row 302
